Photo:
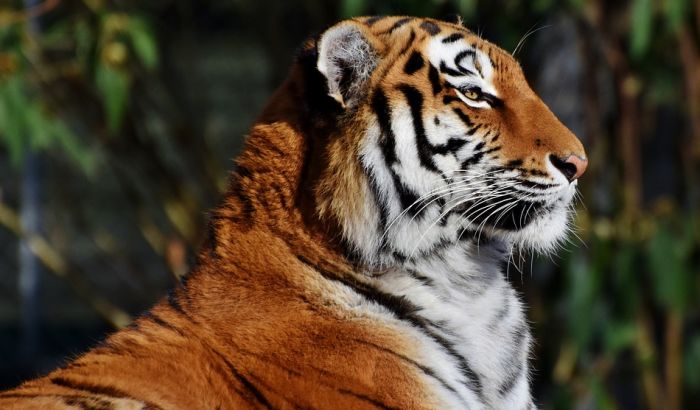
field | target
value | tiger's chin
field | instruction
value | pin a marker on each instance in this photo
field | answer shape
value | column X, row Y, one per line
column 546, row 230
column 543, row 234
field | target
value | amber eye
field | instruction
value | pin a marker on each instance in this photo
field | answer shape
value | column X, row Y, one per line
column 475, row 98
column 471, row 94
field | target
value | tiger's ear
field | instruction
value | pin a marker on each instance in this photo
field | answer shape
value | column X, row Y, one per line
column 347, row 56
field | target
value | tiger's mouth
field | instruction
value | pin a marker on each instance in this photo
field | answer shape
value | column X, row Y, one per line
column 532, row 213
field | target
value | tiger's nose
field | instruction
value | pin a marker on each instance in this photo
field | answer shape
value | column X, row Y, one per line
column 572, row 166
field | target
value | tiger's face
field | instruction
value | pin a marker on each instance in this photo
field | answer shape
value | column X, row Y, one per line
column 452, row 143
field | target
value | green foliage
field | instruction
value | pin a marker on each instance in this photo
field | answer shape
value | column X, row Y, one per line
column 106, row 48
column 641, row 27
column 352, row 8
column 619, row 335
column 27, row 127
column 669, row 257
column 675, row 12
column 113, row 86
column 691, row 363
column 582, row 298
column 143, row 42
column 601, row 398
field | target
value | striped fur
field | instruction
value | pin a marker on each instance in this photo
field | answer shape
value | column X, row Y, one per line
column 357, row 260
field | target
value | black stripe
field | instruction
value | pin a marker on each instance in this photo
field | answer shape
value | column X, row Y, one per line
column 532, row 184
column 473, row 160
column 420, row 277
column 257, row 394
column 463, row 54
column 398, row 24
column 174, row 301
column 387, row 144
column 403, row 309
column 428, row 371
column 434, row 78
column 458, row 61
column 514, row 163
column 508, row 384
column 449, row 99
column 430, row 27
column 374, row 19
column 377, row 196
column 467, row 234
column 494, row 149
column 452, row 38
column 75, row 399
column 277, row 392
column 474, row 129
column 246, row 202
column 436, row 247
column 92, row 388
column 401, row 258
column 415, row 102
column 536, row 172
column 464, row 117
column 162, row 323
column 380, row 106
column 449, row 71
column 414, row 63
column 408, row 198
column 451, row 146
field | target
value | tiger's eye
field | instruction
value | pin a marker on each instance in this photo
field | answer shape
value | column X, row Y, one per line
column 471, row 94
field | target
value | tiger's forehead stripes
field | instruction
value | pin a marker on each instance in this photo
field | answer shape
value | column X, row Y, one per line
column 460, row 56
column 462, row 63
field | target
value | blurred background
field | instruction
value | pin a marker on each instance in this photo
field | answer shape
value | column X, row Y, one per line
column 119, row 120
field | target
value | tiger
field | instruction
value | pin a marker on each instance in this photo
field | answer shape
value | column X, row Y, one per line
column 358, row 259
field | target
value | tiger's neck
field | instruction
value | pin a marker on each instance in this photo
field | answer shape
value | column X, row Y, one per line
column 470, row 311
column 272, row 186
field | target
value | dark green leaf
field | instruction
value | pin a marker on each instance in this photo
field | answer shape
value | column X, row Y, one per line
column 12, row 124
column 641, row 27
column 113, row 86
column 143, row 43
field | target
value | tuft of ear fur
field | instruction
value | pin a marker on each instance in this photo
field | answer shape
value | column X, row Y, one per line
column 346, row 58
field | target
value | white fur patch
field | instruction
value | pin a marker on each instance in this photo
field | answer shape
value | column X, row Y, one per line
column 479, row 64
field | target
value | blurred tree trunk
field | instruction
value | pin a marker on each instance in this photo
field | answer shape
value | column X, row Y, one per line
column 29, row 266
column 30, row 217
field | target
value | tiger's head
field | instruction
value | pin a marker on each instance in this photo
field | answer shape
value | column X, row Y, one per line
column 433, row 136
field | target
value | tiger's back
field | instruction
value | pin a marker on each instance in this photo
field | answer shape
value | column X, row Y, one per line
column 357, row 258
column 217, row 346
